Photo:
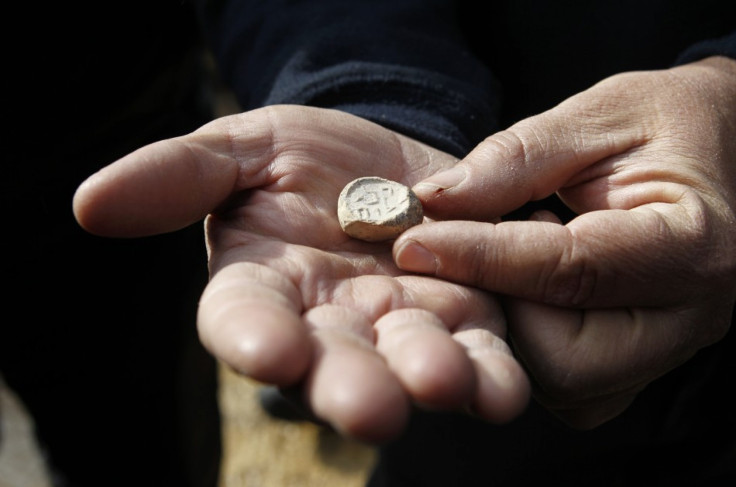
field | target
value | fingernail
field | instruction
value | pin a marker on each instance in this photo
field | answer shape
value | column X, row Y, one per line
column 415, row 258
column 441, row 181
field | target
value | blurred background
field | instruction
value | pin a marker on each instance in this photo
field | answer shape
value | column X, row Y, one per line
column 258, row 449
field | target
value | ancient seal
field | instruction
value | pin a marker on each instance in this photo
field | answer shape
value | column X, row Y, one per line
column 376, row 209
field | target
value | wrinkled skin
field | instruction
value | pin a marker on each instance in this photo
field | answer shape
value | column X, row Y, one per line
column 293, row 300
column 644, row 277
column 596, row 308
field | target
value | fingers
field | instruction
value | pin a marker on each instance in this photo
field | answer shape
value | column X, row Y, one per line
column 448, row 351
column 250, row 318
column 535, row 157
column 361, row 371
column 459, row 333
column 502, row 390
column 349, row 384
column 173, row 183
column 431, row 366
column 580, row 264
column 589, row 365
column 437, row 346
column 366, row 392
column 364, row 385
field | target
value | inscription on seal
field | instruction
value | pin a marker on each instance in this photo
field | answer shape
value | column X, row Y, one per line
column 375, row 209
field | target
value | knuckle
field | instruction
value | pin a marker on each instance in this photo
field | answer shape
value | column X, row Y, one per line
column 511, row 152
column 507, row 144
column 479, row 260
column 570, row 280
column 572, row 283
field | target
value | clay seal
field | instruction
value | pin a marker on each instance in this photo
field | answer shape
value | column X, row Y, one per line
column 376, row 209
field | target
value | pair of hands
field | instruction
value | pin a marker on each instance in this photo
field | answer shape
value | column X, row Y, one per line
column 596, row 308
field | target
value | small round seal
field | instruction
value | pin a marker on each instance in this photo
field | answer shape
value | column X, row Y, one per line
column 376, row 209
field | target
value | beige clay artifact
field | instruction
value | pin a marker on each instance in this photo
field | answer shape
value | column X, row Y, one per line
column 376, row 209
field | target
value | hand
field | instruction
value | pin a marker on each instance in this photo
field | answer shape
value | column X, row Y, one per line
column 644, row 277
column 292, row 299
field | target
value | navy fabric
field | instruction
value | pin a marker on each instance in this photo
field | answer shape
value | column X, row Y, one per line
column 493, row 62
column 721, row 46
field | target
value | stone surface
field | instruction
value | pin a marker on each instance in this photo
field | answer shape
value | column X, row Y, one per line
column 376, row 209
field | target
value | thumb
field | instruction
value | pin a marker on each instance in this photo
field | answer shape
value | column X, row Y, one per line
column 164, row 186
column 534, row 158
column 586, row 263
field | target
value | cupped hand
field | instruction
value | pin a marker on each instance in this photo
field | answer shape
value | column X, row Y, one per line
column 294, row 300
column 643, row 277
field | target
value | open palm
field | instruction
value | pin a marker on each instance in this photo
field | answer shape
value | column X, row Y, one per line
column 294, row 300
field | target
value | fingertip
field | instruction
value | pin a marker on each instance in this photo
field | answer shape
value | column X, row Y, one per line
column 436, row 371
column 272, row 347
column 275, row 358
column 80, row 206
column 503, row 391
column 385, row 422
column 409, row 255
column 438, row 183
column 351, row 388
column 432, row 367
column 159, row 188
column 97, row 209
column 89, row 214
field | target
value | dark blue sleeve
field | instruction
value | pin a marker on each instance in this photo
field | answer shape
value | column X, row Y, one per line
column 400, row 63
column 722, row 46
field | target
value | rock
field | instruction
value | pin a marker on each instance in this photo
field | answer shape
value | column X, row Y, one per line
column 376, row 209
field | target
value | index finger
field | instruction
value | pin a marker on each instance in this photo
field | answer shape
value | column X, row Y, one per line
column 537, row 156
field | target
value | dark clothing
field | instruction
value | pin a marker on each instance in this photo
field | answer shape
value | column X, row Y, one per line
column 449, row 74
column 445, row 72
column 121, row 392
column 99, row 338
